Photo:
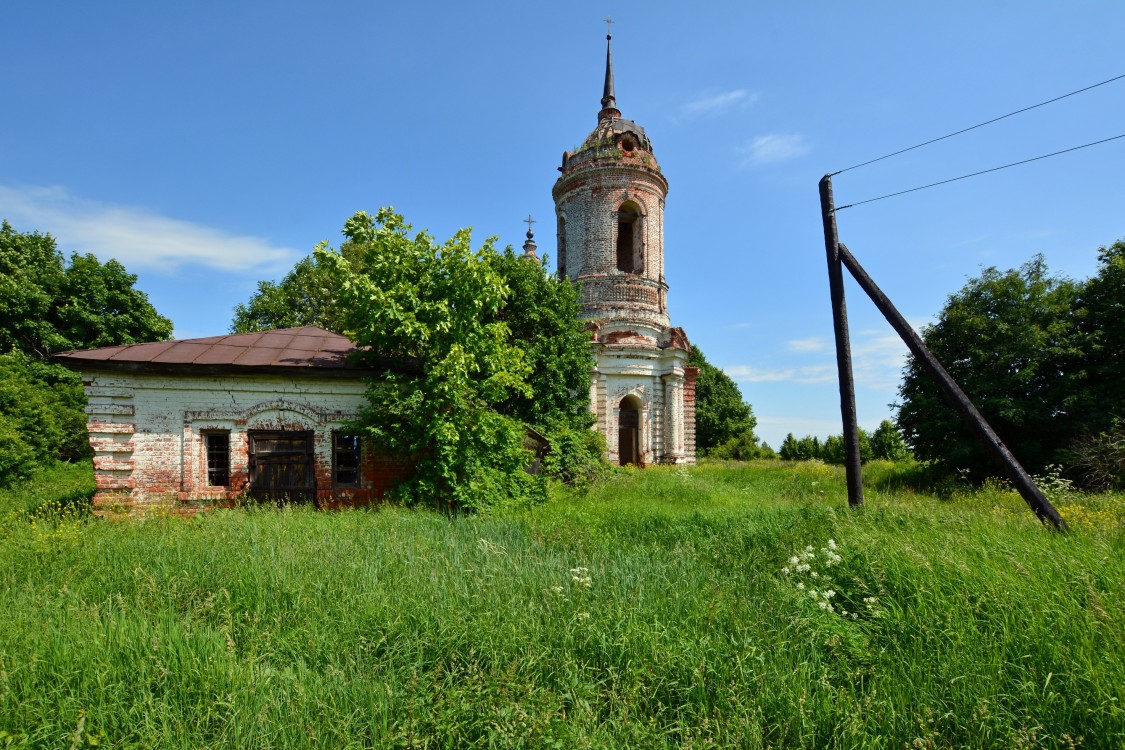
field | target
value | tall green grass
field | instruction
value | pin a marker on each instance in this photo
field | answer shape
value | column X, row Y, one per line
column 653, row 611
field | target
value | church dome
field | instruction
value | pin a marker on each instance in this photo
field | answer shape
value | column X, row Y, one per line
column 614, row 138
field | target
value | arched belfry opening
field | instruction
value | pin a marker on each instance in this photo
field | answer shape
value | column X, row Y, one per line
column 629, row 245
column 629, row 431
column 562, row 246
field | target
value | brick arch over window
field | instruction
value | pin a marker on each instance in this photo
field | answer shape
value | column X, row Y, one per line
column 629, row 239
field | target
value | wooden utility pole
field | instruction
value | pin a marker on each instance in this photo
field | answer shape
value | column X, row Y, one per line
column 953, row 394
column 843, row 346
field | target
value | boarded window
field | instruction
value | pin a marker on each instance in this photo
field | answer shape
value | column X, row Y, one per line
column 281, row 465
column 218, row 458
column 345, row 459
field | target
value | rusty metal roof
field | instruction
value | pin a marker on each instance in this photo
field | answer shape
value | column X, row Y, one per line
column 281, row 350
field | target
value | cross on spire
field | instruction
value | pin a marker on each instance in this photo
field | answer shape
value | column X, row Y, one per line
column 529, row 221
column 608, row 27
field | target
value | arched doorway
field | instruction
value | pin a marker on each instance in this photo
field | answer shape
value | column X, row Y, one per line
column 629, row 431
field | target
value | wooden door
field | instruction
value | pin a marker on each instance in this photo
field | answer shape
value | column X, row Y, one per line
column 281, row 466
column 628, row 434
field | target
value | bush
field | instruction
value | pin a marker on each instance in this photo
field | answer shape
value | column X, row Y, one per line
column 1099, row 460
column 577, row 457
column 744, row 447
column 41, row 416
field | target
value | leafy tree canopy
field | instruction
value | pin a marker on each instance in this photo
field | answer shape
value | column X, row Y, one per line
column 497, row 340
column 48, row 305
column 1100, row 310
column 720, row 413
column 304, row 297
column 1011, row 341
column 41, row 415
column 539, row 310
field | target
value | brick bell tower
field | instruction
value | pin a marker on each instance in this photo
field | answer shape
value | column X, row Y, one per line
column 609, row 203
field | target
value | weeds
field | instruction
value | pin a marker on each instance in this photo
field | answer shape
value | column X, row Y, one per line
column 661, row 608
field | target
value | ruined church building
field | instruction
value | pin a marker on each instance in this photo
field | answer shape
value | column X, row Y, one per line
column 609, row 204
column 188, row 424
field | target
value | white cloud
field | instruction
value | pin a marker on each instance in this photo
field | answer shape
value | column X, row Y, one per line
column 878, row 357
column 824, row 373
column 814, row 344
column 136, row 237
column 717, row 103
column 773, row 148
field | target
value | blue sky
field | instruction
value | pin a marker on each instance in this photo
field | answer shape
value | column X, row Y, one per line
column 209, row 145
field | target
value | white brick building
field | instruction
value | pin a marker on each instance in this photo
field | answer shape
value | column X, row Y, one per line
column 180, row 424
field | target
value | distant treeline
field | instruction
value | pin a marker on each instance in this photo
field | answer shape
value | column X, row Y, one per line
column 885, row 443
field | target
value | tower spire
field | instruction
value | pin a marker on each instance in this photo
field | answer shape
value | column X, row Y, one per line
column 609, row 101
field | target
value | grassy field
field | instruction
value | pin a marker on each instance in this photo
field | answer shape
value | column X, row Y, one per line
column 725, row 606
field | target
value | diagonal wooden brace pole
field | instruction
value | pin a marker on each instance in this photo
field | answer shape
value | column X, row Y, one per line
column 843, row 346
column 955, row 396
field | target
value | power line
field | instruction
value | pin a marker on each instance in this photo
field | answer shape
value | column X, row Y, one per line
column 980, row 125
column 983, row 171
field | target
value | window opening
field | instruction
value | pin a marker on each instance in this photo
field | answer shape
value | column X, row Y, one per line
column 628, row 432
column 562, row 247
column 345, row 459
column 628, row 239
column 218, row 458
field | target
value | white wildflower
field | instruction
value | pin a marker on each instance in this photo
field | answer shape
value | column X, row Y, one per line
column 814, row 574
column 794, row 560
column 824, row 605
column 800, row 586
column 581, row 577
column 803, row 568
column 829, row 594
column 831, row 544
column 785, row 571
column 812, row 594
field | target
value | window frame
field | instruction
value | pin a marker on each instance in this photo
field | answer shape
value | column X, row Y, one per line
column 337, row 452
column 209, row 470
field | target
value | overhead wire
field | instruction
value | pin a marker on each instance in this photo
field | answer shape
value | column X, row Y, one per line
column 974, row 127
column 983, row 171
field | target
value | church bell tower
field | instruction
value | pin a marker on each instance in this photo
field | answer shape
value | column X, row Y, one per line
column 609, row 203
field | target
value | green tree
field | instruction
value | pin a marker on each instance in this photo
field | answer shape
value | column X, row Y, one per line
column 41, row 415
column 48, row 305
column 720, row 413
column 1101, row 320
column 437, row 305
column 1010, row 340
column 887, row 443
column 304, row 297
column 539, row 313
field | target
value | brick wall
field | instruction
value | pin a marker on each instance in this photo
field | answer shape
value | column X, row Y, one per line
column 147, row 432
column 637, row 352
